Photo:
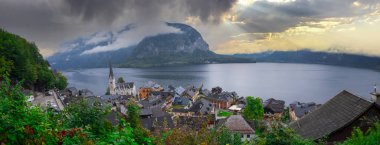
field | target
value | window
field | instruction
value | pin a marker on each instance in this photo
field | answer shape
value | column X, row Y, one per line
column 248, row 136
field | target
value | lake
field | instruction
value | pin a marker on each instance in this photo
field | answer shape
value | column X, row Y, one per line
column 286, row 81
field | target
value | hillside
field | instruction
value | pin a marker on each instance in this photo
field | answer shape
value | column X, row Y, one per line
column 311, row 57
column 23, row 62
column 166, row 49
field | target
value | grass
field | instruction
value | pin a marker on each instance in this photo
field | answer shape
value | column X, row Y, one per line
column 224, row 113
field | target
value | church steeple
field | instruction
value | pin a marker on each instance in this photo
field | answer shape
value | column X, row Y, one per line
column 111, row 71
column 111, row 81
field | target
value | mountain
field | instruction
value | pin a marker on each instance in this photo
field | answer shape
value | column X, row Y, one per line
column 22, row 61
column 165, row 49
column 311, row 57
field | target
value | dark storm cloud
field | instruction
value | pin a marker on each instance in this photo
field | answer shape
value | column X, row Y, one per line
column 105, row 10
column 209, row 10
column 50, row 23
column 264, row 16
column 108, row 10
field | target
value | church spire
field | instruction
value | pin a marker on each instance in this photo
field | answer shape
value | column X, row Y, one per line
column 111, row 71
column 111, row 81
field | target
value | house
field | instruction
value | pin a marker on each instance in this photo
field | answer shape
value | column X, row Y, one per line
column 144, row 92
column 154, row 86
column 165, row 98
column 236, row 108
column 273, row 108
column 202, row 107
column 179, row 90
column 155, row 122
column 335, row 120
column 112, row 99
column 191, row 92
column 162, row 100
column 237, row 124
column 181, row 102
column 199, row 108
column 146, row 113
column 71, row 91
column 85, row 93
column 181, row 112
column 222, row 100
column 298, row 110
column 158, row 123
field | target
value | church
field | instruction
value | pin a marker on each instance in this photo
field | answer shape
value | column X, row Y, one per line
column 126, row 88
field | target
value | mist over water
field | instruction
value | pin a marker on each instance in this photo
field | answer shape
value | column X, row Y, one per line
column 289, row 82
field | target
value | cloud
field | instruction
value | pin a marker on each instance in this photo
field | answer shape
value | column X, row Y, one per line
column 209, row 10
column 48, row 23
column 131, row 37
column 267, row 16
column 103, row 10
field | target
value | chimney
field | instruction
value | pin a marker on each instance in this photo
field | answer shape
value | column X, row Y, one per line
column 375, row 95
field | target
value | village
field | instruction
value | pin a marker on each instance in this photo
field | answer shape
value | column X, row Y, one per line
column 194, row 106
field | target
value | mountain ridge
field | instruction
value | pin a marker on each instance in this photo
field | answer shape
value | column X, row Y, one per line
column 167, row 49
column 316, row 57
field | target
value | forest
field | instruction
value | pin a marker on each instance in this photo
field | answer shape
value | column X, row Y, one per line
column 22, row 60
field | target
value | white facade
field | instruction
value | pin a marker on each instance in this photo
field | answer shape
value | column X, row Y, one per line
column 128, row 88
column 246, row 137
column 125, row 89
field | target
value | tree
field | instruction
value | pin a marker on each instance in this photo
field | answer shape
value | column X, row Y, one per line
column 371, row 137
column 253, row 110
column 82, row 114
column 216, row 90
column 285, row 116
column 79, row 123
column 280, row 135
column 6, row 66
column 61, row 81
column 107, row 91
column 19, row 122
column 120, row 80
column 133, row 114
column 227, row 137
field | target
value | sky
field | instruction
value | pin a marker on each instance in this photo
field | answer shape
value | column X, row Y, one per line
column 229, row 26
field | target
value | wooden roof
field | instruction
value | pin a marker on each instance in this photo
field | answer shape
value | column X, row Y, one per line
column 335, row 114
column 236, row 123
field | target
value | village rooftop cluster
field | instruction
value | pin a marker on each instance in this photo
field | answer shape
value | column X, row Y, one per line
column 194, row 106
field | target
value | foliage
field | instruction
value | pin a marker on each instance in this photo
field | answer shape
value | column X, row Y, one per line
column 107, row 91
column 371, row 137
column 285, row 116
column 120, row 80
column 6, row 66
column 189, row 136
column 23, row 61
column 227, row 137
column 19, row 122
column 133, row 114
column 60, row 81
column 278, row 134
column 253, row 110
column 80, row 122
column 82, row 114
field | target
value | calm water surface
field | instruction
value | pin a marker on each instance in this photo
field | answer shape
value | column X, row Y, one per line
column 289, row 82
